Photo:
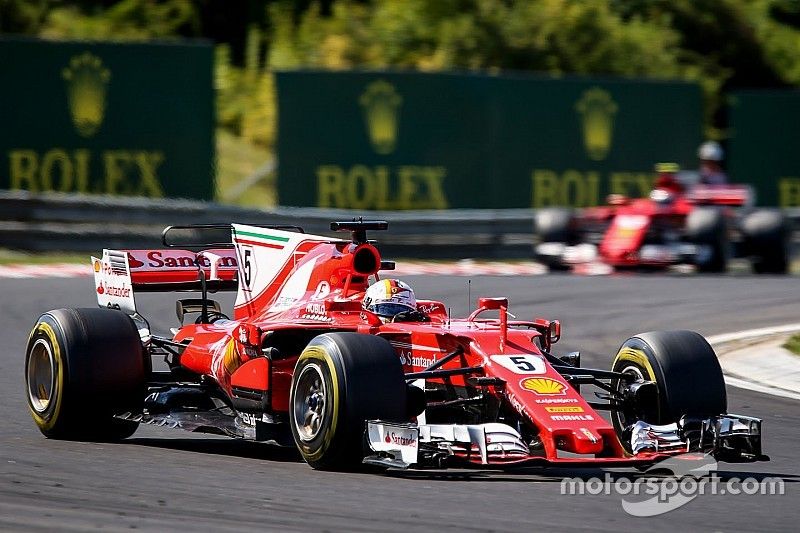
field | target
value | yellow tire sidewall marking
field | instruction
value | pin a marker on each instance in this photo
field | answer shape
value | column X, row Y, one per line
column 58, row 389
column 318, row 353
column 636, row 356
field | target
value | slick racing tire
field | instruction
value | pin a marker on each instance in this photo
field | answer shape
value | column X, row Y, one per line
column 83, row 366
column 765, row 238
column 706, row 226
column 553, row 224
column 340, row 381
column 686, row 372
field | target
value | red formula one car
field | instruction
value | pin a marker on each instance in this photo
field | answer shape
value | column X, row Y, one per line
column 677, row 224
column 303, row 363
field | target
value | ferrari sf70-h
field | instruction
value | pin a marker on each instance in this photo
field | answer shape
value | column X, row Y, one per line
column 697, row 225
column 300, row 362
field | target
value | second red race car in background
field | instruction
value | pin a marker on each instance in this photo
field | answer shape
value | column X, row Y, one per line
column 700, row 225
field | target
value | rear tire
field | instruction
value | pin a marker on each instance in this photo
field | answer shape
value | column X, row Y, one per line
column 340, row 381
column 686, row 372
column 706, row 226
column 83, row 366
column 765, row 237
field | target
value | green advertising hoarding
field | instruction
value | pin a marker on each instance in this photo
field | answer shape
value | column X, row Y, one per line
column 128, row 119
column 389, row 140
column 763, row 145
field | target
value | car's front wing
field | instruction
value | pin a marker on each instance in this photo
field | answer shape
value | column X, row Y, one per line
column 732, row 438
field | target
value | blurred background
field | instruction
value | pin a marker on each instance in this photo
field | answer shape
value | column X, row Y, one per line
column 395, row 105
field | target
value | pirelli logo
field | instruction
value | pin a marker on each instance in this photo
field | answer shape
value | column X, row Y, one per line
column 564, row 409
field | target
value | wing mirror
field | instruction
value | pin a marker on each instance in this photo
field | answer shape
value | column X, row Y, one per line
column 488, row 304
column 550, row 329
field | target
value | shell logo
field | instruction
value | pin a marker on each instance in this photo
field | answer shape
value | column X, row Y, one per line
column 97, row 266
column 544, row 386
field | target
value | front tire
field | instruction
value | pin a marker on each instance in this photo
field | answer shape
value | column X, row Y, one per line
column 340, row 381
column 687, row 374
column 706, row 226
column 83, row 366
column 553, row 225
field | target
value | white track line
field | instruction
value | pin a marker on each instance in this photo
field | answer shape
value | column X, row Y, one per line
column 758, row 387
column 752, row 333
column 738, row 381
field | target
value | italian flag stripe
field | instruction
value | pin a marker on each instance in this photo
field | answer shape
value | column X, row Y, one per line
column 262, row 236
column 259, row 243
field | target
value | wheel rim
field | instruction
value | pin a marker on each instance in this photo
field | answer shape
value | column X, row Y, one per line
column 625, row 419
column 41, row 376
column 310, row 402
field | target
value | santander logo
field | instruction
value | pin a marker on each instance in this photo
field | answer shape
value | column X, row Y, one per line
column 100, row 289
column 133, row 262
column 401, row 440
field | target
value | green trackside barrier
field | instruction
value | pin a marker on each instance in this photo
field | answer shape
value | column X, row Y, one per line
column 124, row 119
column 764, row 144
column 391, row 140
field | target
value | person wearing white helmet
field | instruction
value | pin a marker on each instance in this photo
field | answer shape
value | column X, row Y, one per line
column 392, row 299
column 711, row 155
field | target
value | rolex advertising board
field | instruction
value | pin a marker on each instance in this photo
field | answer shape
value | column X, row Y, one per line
column 388, row 140
column 123, row 119
column 765, row 128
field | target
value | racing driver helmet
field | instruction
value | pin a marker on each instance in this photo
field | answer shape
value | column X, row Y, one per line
column 710, row 151
column 389, row 297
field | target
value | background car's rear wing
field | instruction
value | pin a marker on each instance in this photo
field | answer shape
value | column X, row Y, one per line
column 734, row 195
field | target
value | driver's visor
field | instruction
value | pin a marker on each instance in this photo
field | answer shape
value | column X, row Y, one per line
column 389, row 309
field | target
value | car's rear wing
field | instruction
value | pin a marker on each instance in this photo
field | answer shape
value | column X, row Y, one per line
column 734, row 195
column 121, row 273
column 198, row 257
column 176, row 270
column 255, row 261
column 199, row 237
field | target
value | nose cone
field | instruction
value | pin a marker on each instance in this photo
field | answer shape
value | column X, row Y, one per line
column 580, row 440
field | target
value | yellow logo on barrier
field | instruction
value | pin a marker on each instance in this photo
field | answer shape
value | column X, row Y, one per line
column 545, row 386
column 87, row 81
column 381, row 105
column 597, row 110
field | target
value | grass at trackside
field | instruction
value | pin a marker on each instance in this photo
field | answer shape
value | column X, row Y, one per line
column 15, row 257
column 793, row 344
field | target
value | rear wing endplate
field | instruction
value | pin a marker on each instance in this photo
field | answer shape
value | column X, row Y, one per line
column 121, row 273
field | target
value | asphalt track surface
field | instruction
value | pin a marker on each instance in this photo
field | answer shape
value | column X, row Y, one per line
column 171, row 480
